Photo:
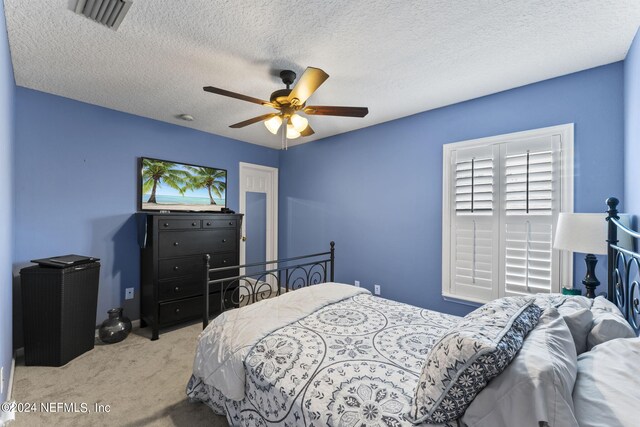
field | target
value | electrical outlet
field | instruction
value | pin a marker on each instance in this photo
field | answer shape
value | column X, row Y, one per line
column 376, row 289
column 357, row 283
column 128, row 293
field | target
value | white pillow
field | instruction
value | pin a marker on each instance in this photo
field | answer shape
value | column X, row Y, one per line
column 608, row 323
column 606, row 390
column 579, row 319
column 545, row 301
column 576, row 311
column 603, row 304
column 536, row 387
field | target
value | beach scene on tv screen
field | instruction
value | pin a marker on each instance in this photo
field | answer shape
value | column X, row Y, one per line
column 176, row 186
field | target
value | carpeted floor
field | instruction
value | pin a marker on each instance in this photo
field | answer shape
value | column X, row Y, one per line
column 143, row 381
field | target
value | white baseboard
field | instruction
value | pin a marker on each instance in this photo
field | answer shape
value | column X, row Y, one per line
column 7, row 417
column 11, row 376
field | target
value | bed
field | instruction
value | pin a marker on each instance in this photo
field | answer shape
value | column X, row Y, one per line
column 335, row 355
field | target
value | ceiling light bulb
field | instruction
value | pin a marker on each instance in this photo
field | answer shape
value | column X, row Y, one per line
column 292, row 133
column 273, row 124
column 299, row 123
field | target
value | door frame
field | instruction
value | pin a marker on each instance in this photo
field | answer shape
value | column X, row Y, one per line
column 272, row 209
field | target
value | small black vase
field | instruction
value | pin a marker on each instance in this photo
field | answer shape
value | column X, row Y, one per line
column 115, row 328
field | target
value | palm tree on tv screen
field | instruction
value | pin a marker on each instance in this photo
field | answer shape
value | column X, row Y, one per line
column 214, row 180
column 154, row 171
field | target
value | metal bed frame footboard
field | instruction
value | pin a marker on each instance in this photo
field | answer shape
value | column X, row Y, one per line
column 623, row 268
column 275, row 278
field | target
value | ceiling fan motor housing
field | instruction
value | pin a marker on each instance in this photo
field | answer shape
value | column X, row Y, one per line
column 280, row 96
column 288, row 77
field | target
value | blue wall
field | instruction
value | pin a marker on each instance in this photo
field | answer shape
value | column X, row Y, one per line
column 7, row 89
column 76, row 182
column 378, row 191
column 632, row 128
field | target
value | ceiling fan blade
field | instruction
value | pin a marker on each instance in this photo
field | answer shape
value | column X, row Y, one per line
column 326, row 110
column 308, row 83
column 308, row 131
column 239, row 96
column 253, row 120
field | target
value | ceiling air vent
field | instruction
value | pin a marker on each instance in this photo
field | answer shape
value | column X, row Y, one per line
column 106, row 12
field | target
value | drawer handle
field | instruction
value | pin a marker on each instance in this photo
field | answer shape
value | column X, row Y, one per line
column 175, row 243
column 208, row 223
column 166, row 224
column 193, row 223
column 176, row 268
column 176, row 289
column 177, row 310
column 224, row 240
column 230, row 222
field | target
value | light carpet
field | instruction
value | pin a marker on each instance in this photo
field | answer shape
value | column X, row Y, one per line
column 142, row 381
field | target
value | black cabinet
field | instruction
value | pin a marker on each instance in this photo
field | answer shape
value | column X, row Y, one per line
column 59, row 312
column 173, row 249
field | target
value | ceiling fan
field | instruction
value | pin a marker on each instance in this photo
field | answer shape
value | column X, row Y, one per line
column 290, row 103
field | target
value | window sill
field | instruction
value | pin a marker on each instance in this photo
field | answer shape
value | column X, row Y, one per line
column 472, row 302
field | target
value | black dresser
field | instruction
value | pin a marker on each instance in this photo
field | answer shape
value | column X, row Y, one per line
column 172, row 258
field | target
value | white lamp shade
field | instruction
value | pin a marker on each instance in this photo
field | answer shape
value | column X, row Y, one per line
column 273, row 124
column 292, row 133
column 586, row 233
column 299, row 123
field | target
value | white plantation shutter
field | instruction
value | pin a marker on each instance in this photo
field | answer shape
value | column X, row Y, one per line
column 529, row 182
column 529, row 214
column 528, row 258
column 474, row 186
column 502, row 205
column 473, row 231
column 474, row 252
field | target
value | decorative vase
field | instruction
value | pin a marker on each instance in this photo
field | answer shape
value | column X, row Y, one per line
column 115, row 328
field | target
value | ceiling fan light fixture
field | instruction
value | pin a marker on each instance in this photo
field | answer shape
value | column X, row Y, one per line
column 292, row 133
column 299, row 123
column 288, row 103
column 273, row 124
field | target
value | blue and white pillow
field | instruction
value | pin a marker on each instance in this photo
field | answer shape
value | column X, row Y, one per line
column 470, row 354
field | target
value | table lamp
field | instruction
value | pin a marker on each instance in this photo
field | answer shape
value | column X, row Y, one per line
column 586, row 233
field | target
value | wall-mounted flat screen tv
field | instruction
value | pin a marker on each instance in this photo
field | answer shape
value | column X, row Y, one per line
column 173, row 186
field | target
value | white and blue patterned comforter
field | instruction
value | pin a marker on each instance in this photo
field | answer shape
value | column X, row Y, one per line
column 355, row 362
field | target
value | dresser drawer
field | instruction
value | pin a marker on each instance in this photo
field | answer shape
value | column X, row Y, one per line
column 176, row 267
column 223, row 260
column 172, row 244
column 179, row 288
column 190, row 308
column 183, row 287
column 179, row 224
column 219, row 223
column 176, row 311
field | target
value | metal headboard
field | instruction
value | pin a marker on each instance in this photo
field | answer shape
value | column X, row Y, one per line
column 623, row 268
column 271, row 279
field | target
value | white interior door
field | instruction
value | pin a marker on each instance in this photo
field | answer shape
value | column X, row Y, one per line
column 259, row 204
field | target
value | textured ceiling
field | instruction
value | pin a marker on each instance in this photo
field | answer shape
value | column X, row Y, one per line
column 395, row 57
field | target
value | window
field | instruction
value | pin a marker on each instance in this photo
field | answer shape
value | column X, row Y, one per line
column 501, row 200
